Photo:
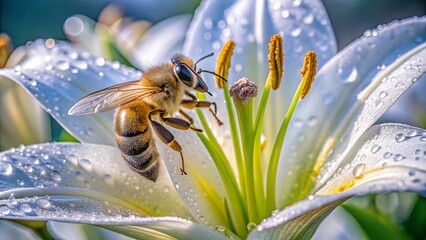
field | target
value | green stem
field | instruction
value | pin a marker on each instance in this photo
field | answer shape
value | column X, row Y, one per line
column 235, row 140
column 237, row 203
column 257, row 151
column 276, row 150
column 245, row 120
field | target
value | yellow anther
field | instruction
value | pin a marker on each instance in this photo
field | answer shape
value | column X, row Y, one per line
column 308, row 72
column 224, row 63
column 276, row 61
column 5, row 49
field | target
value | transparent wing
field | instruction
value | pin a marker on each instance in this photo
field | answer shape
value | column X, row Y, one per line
column 112, row 97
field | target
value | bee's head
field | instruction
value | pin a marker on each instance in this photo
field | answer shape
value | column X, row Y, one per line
column 184, row 70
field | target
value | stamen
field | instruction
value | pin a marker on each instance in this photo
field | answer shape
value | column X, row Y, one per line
column 243, row 90
column 308, row 72
column 276, row 61
column 224, row 63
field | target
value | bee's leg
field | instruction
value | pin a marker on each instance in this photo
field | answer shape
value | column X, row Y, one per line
column 178, row 123
column 167, row 137
column 189, row 94
column 187, row 103
column 186, row 116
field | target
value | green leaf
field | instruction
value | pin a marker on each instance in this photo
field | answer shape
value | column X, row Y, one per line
column 416, row 222
column 376, row 225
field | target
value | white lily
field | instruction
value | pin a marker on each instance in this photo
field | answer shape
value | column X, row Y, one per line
column 330, row 152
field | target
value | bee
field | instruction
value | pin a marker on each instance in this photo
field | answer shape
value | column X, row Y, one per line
column 161, row 92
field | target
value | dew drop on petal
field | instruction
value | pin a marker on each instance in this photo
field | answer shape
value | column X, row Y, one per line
column 347, row 72
column 4, row 210
column 5, row 168
column 43, row 203
column 62, row 65
column 387, row 155
column 398, row 157
column 375, row 149
column 100, row 61
column 56, row 176
column 25, row 207
column 358, row 169
column 108, row 178
column 85, row 164
column 400, row 137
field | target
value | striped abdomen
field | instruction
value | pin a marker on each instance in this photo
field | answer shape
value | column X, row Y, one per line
column 134, row 138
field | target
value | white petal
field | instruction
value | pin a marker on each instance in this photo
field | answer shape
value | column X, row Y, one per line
column 59, row 75
column 161, row 41
column 88, row 171
column 386, row 158
column 350, row 93
column 394, row 154
column 90, row 211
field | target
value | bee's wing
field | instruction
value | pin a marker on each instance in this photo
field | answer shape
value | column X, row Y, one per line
column 112, row 97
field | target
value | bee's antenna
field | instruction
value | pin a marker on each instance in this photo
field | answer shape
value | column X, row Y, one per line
column 217, row 75
column 209, row 93
column 199, row 60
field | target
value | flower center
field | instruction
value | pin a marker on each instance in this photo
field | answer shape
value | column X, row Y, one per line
column 251, row 193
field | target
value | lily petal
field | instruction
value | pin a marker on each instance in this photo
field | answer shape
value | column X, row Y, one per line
column 91, row 211
column 377, row 163
column 96, row 172
column 58, row 74
column 250, row 24
column 161, row 41
column 351, row 92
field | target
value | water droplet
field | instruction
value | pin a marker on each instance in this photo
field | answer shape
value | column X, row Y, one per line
column 108, row 178
column 358, row 169
column 347, row 72
column 251, row 226
column 400, row 137
column 62, row 65
column 12, row 200
column 387, row 155
column 298, row 122
column 208, row 23
column 5, row 168
column 398, row 157
column 296, row 32
column 312, row 121
column 412, row 133
column 20, row 182
column 297, row 3
column 25, row 207
column 4, row 210
column 85, row 164
column 285, row 13
column 375, row 149
column 43, row 203
column 308, row 19
column 100, row 61
column 378, row 104
column 80, row 65
column 100, row 74
column 56, row 176
column 383, row 94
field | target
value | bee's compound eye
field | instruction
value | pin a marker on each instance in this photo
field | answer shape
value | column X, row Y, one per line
column 184, row 74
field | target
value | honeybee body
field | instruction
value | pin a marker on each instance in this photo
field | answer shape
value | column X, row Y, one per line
column 134, row 138
column 162, row 91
